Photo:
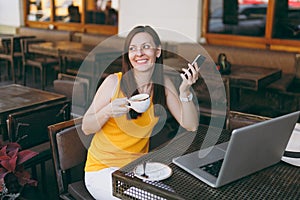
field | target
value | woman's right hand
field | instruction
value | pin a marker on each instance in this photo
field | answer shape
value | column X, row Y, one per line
column 117, row 107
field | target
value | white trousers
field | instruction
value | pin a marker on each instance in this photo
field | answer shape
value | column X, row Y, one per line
column 99, row 183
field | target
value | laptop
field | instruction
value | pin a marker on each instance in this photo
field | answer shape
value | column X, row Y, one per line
column 249, row 150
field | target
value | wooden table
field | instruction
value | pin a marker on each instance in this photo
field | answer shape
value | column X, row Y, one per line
column 243, row 77
column 51, row 48
column 96, row 59
column 253, row 78
column 280, row 181
column 15, row 97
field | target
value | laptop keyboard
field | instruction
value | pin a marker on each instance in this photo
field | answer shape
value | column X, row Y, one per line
column 213, row 168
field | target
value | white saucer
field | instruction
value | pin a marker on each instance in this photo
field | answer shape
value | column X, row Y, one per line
column 155, row 171
column 293, row 147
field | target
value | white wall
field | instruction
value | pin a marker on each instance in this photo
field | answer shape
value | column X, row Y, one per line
column 11, row 13
column 180, row 18
column 175, row 20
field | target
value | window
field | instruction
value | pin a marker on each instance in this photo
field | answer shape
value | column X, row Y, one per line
column 102, row 12
column 265, row 24
column 38, row 10
column 238, row 17
column 68, row 10
column 76, row 15
column 287, row 20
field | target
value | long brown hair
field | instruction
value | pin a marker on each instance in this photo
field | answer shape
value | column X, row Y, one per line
column 128, row 83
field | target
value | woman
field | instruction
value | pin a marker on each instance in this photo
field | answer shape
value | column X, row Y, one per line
column 121, row 134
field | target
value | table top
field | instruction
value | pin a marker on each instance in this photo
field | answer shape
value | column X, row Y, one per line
column 280, row 181
column 245, row 77
column 96, row 58
column 67, row 47
column 15, row 97
column 249, row 77
column 51, row 48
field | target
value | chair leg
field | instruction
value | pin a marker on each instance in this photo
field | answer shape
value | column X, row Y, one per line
column 33, row 74
column 20, row 70
column 5, row 76
column 24, row 75
column 43, row 176
column 9, row 70
column 1, row 61
column 33, row 171
column 43, row 74
column 13, row 75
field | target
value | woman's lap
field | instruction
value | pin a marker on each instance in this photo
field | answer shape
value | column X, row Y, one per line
column 99, row 183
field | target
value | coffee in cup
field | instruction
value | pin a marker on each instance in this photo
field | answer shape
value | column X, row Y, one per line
column 140, row 102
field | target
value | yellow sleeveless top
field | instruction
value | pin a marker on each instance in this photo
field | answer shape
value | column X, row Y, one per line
column 120, row 140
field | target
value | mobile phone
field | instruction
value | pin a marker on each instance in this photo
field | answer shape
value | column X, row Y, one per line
column 199, row 59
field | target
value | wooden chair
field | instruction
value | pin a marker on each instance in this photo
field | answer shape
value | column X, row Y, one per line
column 29, row 128
column 76, row 89
column 240, row 119
column 69, row 149
column 11, row 53
column 37, row 61
column 70, row 63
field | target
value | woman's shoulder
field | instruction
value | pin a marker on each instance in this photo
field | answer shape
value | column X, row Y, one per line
column 109, row 82
column 113, row 78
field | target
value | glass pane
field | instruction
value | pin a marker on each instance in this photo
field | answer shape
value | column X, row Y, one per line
column 68, row 10
column 102, row 12
column 38, row 10
column 287, row 19
column 238, row 17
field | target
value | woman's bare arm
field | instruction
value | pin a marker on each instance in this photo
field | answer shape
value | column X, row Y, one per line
column 102, row 108
column 186, row 115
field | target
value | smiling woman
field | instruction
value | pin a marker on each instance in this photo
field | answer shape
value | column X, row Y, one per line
column 142, row 53
column 122, row 133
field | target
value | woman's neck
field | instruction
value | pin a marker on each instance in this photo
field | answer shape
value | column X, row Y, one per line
column 143, row 81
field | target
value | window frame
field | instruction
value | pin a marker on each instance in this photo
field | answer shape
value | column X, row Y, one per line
column 76, row 27
column 266, row 42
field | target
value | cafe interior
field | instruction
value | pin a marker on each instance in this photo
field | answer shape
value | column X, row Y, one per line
column 54, row 54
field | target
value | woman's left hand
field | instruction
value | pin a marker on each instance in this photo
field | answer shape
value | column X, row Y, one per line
column 192, row 76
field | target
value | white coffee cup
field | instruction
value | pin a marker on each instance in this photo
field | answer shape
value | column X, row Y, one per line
column 140, row 102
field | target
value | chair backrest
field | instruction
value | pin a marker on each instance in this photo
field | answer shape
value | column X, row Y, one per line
column 11, row 45
column 26, row 55
column 29, row 127
column 76, row 89
column 69, row 149
column 240, row 119
column 6, row 45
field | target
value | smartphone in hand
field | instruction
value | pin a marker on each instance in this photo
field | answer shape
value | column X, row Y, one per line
column 199, row 60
